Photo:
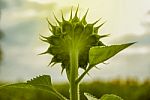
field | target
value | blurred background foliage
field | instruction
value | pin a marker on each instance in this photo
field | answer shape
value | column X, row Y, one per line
column 129, row 89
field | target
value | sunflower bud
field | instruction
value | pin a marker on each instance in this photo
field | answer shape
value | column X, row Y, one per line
column 72, row 31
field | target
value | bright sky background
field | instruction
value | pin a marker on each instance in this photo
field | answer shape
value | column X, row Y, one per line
column 23, row 20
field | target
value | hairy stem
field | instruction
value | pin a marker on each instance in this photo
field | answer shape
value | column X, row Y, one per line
column 74, row 87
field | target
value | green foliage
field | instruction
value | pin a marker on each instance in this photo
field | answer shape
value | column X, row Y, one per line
column 41, row 83
column 100, row 54
column 104, row 97
column 90, row 97
column 127, row 89
column 41, row 80
column 110, row 97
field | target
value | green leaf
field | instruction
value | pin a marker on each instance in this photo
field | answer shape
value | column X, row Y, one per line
column 41, row 83
column 90, row 97
column 41, row 80
column 104, row 97
column 100, row 54
column 110, row 97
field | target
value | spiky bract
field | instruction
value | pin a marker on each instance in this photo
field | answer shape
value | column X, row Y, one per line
column 69, row 32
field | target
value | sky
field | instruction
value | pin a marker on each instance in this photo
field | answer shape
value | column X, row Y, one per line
column 22, row 21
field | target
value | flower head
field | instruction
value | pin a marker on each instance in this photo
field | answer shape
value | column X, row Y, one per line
column 72, row 31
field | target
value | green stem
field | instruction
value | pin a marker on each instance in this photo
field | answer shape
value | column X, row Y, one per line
column 83, row 74
column 74, row 87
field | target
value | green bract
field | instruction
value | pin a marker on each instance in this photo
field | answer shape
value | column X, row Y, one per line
column 74, row 31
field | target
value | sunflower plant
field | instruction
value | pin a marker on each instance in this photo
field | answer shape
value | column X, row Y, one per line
column 75, row 44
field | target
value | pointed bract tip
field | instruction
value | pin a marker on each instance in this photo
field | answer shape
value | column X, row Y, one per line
column 71, row 13
column 102, row 36
column 129, row 44
column 63, row 19
column 43, row 37
column 77, row 11
column 50, row 29
column 43, row 40
column 50, row 63
column 84, row 17
column 43, row 53
column 133, row 43
column 49, row 23
column 101, row 25
column 97, row 21
column 53, row 64
column 56, row 19
column 86, row 13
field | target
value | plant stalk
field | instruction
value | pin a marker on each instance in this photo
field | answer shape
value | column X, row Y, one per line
column 74, row 87
column 60, row 96
column 83, row 74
